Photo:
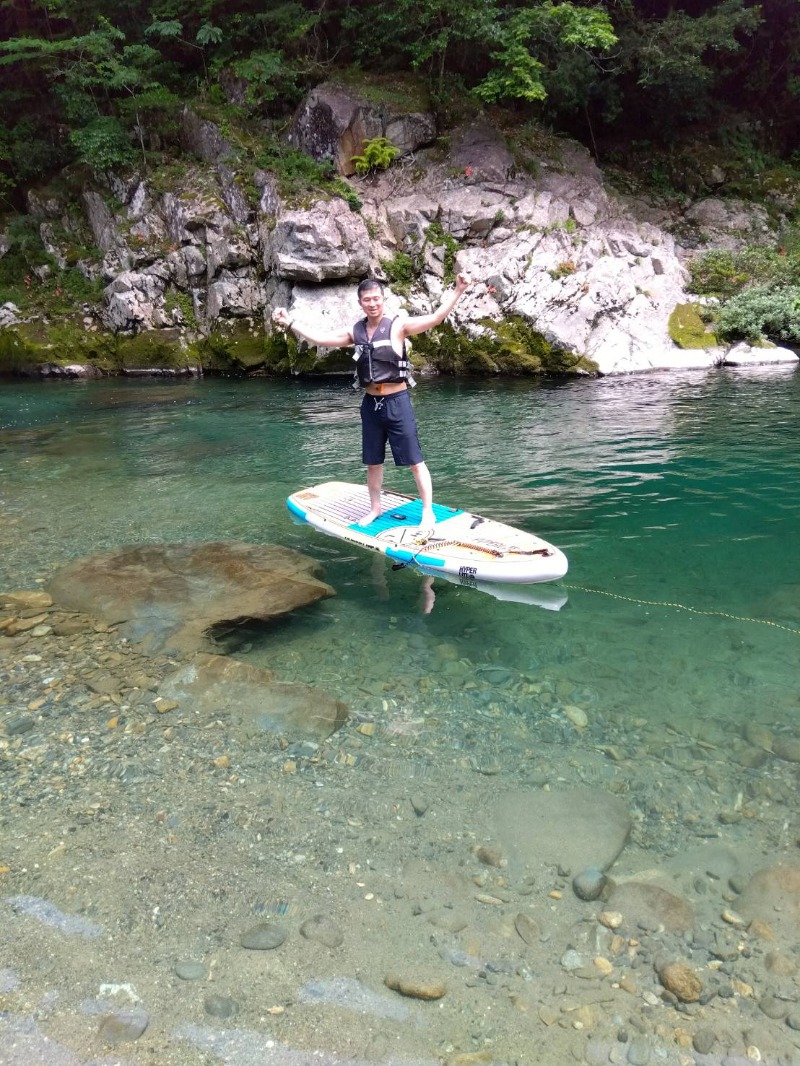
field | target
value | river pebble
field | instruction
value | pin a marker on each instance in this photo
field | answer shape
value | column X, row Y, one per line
column 589, row 884
column 263, row 937
column 415, row 986
column 219, row 1006
column 123, row 1026
column 323, row 930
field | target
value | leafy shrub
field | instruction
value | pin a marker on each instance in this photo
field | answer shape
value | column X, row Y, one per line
column 724, row 273
column 400, row 271
column 762, row 312
column 378, row 154
column 103, row 144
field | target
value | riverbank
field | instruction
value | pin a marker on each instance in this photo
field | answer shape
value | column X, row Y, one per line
column 574, row 275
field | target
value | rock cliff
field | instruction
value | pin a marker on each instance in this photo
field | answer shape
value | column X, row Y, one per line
column 568, row 274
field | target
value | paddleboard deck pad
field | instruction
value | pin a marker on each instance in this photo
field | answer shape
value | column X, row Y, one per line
column 468, row 546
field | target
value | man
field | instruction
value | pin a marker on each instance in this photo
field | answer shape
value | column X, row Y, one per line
column 384, row 371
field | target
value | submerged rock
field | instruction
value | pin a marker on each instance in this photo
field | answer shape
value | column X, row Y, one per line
column 215, row 685
column 584, row 829
column 174, row 594
column 773, row 896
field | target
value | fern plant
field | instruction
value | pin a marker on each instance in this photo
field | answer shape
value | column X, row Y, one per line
column 378, row 154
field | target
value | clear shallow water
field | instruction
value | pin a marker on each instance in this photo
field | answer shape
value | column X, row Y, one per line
column 681, row 489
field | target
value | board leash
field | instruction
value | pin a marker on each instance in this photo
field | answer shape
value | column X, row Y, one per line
column 682, row 607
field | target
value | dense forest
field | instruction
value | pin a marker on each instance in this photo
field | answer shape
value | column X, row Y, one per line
column 90, row 88
column 100, row 83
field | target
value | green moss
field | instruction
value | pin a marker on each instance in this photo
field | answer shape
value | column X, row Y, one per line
column 509, row 347
column 687, row 329
column 181, row 301
column 399, row 91
column 33, row 344
column 153, row 348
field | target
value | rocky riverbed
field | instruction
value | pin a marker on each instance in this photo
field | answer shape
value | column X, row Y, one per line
column 506, row 877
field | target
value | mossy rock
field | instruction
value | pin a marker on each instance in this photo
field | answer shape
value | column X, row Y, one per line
column 509, row 347
column 32, row 344
column 688, row 330
column 239, row 349
column 152, row 348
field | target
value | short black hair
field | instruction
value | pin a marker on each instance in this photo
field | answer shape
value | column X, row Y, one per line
column 368, row 284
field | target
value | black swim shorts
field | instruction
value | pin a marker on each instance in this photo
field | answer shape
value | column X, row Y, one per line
column 389, row 418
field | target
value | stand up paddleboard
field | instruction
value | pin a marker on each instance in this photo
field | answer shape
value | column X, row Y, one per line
column 467, row 546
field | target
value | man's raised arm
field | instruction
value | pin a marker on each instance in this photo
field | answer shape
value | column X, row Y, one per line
column 340, row 339
column 420, row 323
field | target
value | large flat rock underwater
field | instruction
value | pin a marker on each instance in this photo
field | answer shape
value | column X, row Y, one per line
column 172, row 596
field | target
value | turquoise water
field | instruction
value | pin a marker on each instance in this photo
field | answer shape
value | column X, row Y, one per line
column 662, row 490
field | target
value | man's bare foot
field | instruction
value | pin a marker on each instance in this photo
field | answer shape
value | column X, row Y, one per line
column 370, row 516
column 428, row 519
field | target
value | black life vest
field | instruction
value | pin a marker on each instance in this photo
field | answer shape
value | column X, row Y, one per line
column 376, row 360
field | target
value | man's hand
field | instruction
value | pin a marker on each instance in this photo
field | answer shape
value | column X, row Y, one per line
column 463, row 282
column 280, row 316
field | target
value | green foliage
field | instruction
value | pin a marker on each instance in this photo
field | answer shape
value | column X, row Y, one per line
column 179, row 301
column 339, row 187
column 103, row 145
column 528, row 38
column 724, row 273
column 762, row 312
column 687, row 328
column 436, row 236
column 378, row 154
column 299, row 176
column 401, row 271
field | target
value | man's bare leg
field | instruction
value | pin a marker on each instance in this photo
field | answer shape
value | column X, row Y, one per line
column 422, row 477
column 374, row 485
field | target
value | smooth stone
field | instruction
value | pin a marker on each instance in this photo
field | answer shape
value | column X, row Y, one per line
column 220, row 1006
column 793, row 1020
column 263, row 937
column 528, row 929
column 323, row 930
column 680, row 979
column 650, row 906
column 773, row 1007
column 572, row 960
column 23, row 723
column 34, row 598
column 447, row 918
column 415, row 987
column 589, row 884
column 578, row 829
column 639, row 1053
column 773, row 896
column 123, row 1026
column 787, row 748
column 190, row 971
column 703, row 1041
column 177, row 593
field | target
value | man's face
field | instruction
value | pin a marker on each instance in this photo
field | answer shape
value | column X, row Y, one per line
column 371, row 301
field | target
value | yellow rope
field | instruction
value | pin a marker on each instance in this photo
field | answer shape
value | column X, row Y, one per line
column 683, row 607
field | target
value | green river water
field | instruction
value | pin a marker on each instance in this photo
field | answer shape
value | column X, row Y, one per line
column 674, row 636
column 681, row 489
